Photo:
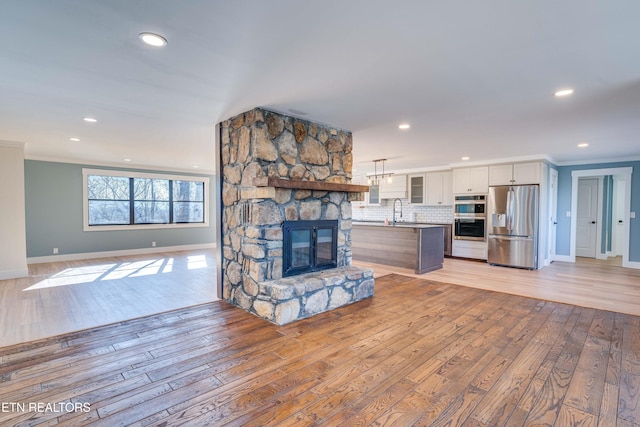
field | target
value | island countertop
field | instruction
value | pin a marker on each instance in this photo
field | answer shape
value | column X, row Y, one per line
column 409, row 245
column 398, row 224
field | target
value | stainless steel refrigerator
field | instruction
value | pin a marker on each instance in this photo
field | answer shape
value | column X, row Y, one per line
column 513, row 225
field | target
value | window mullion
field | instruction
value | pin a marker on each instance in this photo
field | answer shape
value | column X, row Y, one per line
column 131, row 202
column 170, row 201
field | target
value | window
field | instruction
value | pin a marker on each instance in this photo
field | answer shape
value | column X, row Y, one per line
column 151, row 201
column 188, row 201
column 121, row 200
column 108, row 200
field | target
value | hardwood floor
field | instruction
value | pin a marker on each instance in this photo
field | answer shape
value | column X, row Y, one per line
column 420, row 352
column 587, row 283
column 63, row 297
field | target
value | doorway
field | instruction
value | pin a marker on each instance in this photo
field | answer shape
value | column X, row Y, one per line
column 623, row 177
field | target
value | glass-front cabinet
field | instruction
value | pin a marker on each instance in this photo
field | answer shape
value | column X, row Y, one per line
column 431, row 188
column 416, row 189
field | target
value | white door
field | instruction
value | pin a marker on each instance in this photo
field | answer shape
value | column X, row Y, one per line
column 553, row 212
column 587, row 215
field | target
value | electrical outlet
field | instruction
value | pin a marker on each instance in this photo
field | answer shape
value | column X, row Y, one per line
column 55, row 251
column 153, row 244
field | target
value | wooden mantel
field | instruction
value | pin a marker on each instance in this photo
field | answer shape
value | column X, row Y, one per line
column 298, row 184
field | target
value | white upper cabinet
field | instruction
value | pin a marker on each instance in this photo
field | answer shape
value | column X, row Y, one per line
column 416, row 184
column 501, row 175
column 360, row 180
column 527, row 173
column 397, row 188
column 517, row 173
column 471, row 180
column 439, row 188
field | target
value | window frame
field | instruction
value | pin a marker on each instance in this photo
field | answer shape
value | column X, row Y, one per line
column 131, row 174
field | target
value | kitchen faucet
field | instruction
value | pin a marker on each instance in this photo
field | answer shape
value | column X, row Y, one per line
column 394, row 210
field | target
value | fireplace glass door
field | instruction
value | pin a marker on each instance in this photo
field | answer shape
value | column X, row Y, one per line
column 309, row 246
column 301, row 248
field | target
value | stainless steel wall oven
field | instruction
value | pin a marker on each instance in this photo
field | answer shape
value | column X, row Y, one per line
column 469, row 217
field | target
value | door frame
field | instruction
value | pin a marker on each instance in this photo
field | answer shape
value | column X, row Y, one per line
column 553, row 215
column 618, row 198
column 575, row 176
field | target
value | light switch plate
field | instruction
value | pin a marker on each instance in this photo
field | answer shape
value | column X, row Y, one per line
column 568, row 214
column 632, row 215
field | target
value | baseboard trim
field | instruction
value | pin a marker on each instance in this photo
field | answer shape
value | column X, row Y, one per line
column 564, row 258
column 125, row 252
column 631, row 264
column 14, row 274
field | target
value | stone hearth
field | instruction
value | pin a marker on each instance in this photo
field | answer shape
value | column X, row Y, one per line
column 260, row 148
column 284, row 300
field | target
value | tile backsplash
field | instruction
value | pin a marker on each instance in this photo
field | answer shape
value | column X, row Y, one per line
column 410, row 213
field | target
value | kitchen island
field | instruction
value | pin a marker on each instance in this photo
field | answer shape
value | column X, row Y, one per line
column 416, row 246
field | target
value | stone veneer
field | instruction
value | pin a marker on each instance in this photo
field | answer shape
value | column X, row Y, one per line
column 254, row 146
column 284, row 300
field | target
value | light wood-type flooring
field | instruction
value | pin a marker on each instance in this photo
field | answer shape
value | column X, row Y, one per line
column 69, row 296
column 63, row 297
column 420, row 352
column 601, row 284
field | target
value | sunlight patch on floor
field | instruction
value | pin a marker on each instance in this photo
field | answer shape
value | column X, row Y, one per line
column 107, row 272
column 73, row 276
column 196, row 261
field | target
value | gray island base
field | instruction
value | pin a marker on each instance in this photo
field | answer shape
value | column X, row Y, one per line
column 416, row 246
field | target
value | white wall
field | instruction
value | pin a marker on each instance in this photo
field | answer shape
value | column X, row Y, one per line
column 13, row 241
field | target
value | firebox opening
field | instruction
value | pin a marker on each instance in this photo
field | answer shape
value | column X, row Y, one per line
column 309, row 246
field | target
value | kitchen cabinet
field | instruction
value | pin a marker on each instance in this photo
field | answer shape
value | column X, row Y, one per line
column 416, row 185
column 439, row 188
column 419, row 247
column 469, row 249
column 471, row 180
column 397, row 188
column 371, row 197
column 517, row 173
column 374, row 195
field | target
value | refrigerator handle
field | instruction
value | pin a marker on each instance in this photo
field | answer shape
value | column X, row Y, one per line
column 509, row 209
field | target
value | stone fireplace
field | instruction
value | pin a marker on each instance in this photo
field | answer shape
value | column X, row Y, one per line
column 278, row 170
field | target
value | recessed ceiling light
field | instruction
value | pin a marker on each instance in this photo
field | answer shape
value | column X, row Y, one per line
column 90, row 119
column 465, row 158
column 127, row 160
column 404, row 126
column 563, row 92
column 74, row 139
column 583, row 145
column 196, row 166
column 152, row 39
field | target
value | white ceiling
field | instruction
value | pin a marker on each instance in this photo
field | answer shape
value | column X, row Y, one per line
column 473, row 78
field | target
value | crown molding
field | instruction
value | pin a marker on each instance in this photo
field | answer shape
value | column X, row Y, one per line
column 14, row 144
column 134, row 166
column 599, row 161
